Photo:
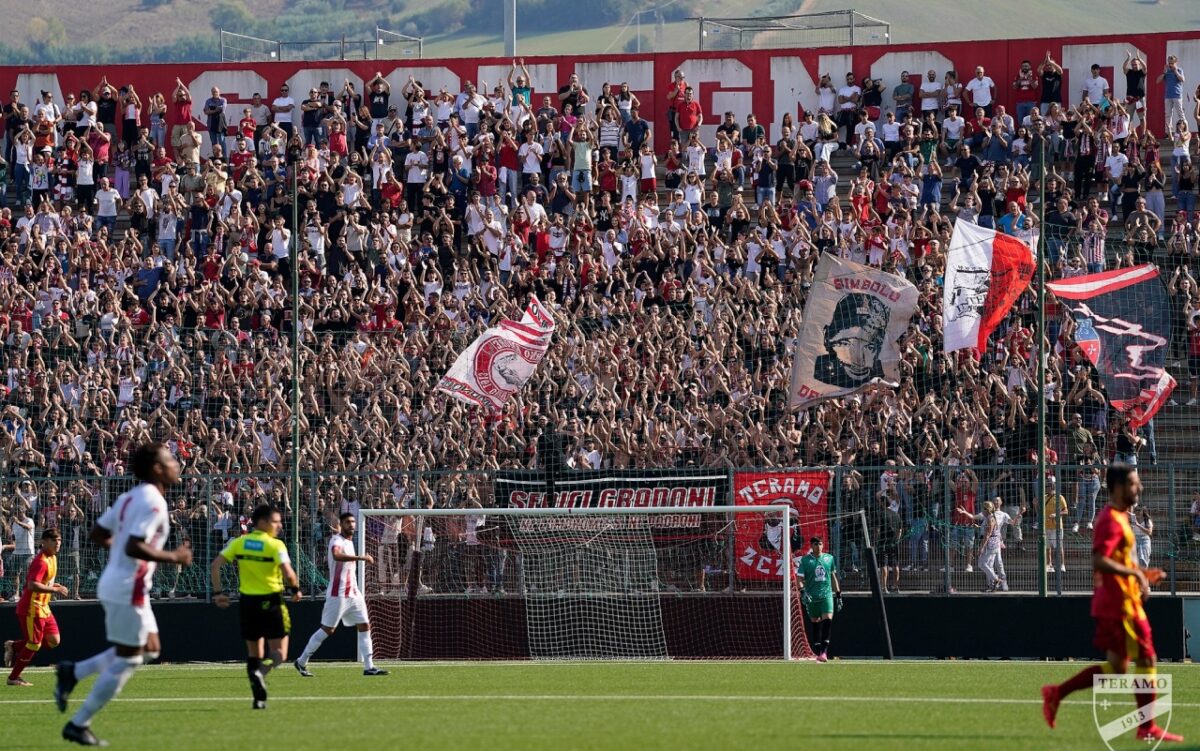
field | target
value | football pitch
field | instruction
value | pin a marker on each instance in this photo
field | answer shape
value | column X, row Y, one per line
column 591, row 705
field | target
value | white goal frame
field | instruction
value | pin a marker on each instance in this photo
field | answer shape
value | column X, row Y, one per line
column 783, row 510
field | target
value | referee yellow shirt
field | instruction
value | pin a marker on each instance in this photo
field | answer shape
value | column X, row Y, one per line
column 260, row 560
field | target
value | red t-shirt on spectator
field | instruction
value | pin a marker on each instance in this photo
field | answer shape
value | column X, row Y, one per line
column 687, row 114
column 182, row 111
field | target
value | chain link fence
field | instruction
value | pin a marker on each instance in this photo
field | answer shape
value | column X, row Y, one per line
column 936, row 551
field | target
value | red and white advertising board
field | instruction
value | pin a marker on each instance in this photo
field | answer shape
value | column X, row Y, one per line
column 768, row 83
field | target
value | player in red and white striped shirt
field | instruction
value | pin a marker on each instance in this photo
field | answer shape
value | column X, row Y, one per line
column 344, row 602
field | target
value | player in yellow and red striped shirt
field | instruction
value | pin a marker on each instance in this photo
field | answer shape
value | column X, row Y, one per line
column 38, row 627
column 1122, row 630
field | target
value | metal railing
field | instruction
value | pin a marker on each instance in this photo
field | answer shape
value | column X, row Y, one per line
column 936, row 552
column 386, row 44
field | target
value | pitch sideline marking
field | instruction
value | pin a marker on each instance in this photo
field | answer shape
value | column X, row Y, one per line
column 591, row 697
column 406, row 664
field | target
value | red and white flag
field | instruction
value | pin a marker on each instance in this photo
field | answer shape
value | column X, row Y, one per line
column 500, row 361
column 986, row 271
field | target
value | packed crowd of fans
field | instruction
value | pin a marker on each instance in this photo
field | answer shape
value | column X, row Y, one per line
column 145, row 283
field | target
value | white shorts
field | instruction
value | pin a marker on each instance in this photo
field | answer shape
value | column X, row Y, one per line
column 128, row 625
column 349, row 611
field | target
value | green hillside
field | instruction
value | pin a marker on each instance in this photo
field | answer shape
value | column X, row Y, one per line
column 67, row 31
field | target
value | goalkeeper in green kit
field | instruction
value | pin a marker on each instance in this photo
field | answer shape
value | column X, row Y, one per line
column 821, row 592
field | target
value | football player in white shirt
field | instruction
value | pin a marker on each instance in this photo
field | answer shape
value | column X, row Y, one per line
column 134, row 529
column 344, row 602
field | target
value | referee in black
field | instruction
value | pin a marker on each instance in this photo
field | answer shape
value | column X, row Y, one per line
column 263, row 565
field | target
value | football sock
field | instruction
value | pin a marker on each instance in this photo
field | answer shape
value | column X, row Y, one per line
column 95, row 663
column 1081, row 680
column 1146, row 698
column 112, row 679
column 828, row 629
column 21, row 661
column 314, row 643
column 365, row 647
column 254, row 672
column 814, row 636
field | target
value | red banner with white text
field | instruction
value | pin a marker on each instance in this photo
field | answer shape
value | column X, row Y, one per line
column 759, row 538
column 768, row 83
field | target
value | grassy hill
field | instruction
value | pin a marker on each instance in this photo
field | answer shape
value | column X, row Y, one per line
column 140, row 30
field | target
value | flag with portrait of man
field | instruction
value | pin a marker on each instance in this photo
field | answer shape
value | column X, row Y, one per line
column 853, row 321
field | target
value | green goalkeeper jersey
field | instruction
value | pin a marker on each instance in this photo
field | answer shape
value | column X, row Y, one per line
column 817, row 571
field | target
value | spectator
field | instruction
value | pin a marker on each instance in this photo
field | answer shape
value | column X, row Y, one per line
column 902, row 97
column 1172, row 80
column 283, row 107
column 1143, row 532
column 218, row 125
column 688, row 116
column 931, row 95
column 981, row 91
column 1055, row 511
column 22, row 551
column 1094, row 86
column 848, row 97
column 675, row 94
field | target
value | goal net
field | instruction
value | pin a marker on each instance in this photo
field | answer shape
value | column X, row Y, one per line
column 582, row 583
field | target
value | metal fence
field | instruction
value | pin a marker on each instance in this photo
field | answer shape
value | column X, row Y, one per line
column 838, row 27
column 936, row 552
column 386, row 45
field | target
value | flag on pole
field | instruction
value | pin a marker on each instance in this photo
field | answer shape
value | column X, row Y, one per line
column 500, row 360
column 854, row 317
column 1123, row 325
column 986, row 271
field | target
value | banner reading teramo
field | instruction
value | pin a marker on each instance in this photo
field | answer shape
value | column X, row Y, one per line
column 759, row 546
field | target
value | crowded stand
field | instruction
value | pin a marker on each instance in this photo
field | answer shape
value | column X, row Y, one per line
column 146, row 289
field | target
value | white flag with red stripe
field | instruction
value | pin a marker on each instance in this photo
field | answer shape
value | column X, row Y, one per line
column 501, row 360
column 986, row 271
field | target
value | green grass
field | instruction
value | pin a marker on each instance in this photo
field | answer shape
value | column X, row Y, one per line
column 499, row 706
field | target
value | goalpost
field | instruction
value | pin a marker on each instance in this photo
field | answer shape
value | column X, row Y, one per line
column 582, row 583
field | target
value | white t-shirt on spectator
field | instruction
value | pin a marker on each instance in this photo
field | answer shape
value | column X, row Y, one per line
column 954, row 127
column 531, row 157
column 84, row 174
column 167, row 226
column 107, row 201
column 1094, row 87
column 149, row 197
column 415, row 164
column 87, row 115
column 284, row 101
column 847, row 92
column 22, row 538
column 981, row 90
column 491, row 240
column 930, row 95
column 1115, row 166
column 826, row 99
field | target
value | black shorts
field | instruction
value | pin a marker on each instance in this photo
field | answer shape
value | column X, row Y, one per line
column 1194, row 365
column 889, row 554
column 265, row 617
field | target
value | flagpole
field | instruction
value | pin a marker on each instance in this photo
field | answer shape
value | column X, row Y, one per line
column 1043, row 341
